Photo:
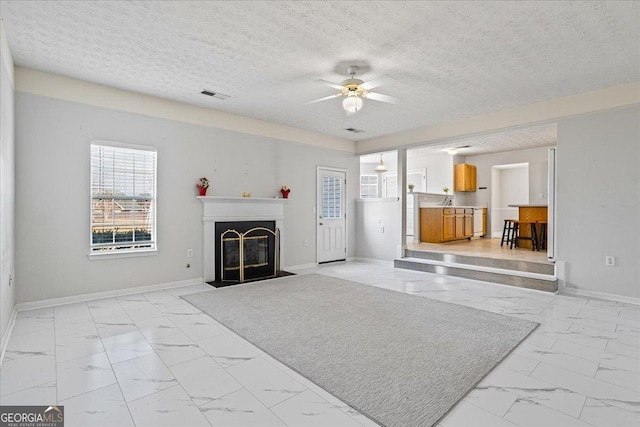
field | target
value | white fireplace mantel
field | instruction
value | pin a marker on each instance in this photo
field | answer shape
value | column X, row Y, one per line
column 225, row 209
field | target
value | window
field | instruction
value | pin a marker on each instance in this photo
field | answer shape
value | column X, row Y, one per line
column 123, row 198
column 368, row 186
column 331, row 197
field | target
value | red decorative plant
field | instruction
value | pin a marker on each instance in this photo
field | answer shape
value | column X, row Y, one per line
column 202, row 185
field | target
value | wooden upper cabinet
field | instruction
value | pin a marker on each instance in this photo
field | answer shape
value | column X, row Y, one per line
column 464, row 177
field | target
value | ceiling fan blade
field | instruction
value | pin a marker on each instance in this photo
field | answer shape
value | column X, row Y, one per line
column 376, row 82
column 325, row 98
column 328, row 83
column 383, row 98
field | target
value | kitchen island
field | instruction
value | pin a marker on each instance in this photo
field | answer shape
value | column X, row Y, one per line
column 529, row 213
column 439, row 224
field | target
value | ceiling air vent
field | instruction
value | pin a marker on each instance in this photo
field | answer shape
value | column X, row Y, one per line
column 354, row 130
column 215, row 94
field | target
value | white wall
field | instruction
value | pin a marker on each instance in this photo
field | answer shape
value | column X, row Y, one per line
column 52, row 194
column 371, row 215
column 538, row 179
column 514, row 186
column 599, row 200
column 7, row 185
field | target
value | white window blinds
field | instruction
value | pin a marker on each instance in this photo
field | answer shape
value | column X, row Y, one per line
column 123, row 197
column 368, row 186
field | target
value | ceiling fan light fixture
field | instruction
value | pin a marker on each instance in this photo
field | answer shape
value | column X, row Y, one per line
column 381, row 168
column 452, row 151
column 352, row 103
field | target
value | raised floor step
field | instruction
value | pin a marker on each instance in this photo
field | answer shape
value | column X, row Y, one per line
column 505, row 264
column 505, row 276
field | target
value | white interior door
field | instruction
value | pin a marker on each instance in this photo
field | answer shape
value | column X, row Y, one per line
column 331, row 226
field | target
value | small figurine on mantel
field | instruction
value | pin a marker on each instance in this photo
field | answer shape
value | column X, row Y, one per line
column 245, row 194
column 202, row 185
column 285, row 192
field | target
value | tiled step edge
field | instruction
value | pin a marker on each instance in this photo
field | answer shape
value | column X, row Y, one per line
column 542, row 282
column 506, row 264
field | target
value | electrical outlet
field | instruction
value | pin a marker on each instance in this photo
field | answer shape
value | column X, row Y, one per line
column 382, row 229
column 541, row 196
column 189, row 253
column 305, row 243
column 610, row 261
column 10, row 279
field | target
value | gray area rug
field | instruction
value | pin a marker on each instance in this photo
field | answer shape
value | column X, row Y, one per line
column 400, row 359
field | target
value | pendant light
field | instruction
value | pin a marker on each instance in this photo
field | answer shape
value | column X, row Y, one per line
column 381, row 168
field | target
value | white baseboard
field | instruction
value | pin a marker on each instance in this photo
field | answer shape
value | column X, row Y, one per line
column 7, row 333
column 300, row 266
column 599, row 295
column 374, row 261
column 107, row 294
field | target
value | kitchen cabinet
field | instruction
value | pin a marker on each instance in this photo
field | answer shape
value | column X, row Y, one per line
column 484, row 222
column 468, row 223
column 439, row 225
column 448, row 224
column 464, row 177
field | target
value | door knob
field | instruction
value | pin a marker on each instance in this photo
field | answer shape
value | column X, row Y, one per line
column 320, row 223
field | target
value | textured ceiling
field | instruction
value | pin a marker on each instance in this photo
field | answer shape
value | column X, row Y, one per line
column 450, row 60
column 517, row 139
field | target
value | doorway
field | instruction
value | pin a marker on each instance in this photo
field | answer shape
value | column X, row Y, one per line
column 510, row 186
column 331, row 211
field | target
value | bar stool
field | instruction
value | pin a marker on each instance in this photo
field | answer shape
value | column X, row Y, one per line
column 507, row 232
column 515, row 240
column 543, row 235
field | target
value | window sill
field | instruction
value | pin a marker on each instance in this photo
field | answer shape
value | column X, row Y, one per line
column 132, row 254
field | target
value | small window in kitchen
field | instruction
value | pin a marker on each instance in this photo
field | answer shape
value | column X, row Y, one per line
column 368, row 186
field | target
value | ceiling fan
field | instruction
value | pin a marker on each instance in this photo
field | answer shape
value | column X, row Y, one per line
column 355, row 91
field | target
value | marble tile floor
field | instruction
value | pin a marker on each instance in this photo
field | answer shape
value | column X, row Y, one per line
column 152, row 359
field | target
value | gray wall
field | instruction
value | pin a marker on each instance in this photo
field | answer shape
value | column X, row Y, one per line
column 599, row 200
column 7, row 195
column 52, row 194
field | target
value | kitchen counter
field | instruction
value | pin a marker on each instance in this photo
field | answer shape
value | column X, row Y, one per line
column 528, row 206
column 428, row 206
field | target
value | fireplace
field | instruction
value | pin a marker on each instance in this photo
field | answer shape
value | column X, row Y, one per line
column 248, row 250
column 223, row 209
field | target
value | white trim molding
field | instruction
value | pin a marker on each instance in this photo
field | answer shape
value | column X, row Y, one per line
column 600, row 295
column 83, row 92
column 106, row 294
column 291, row 268
column 7, row 333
